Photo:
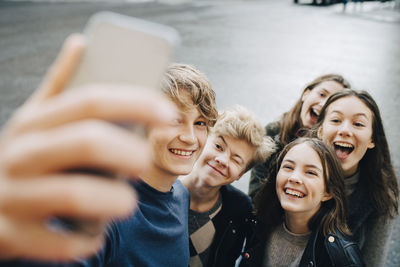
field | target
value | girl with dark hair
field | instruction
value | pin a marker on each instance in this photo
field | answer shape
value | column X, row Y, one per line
column 302, row 212
column 351, row 124
column 303, row 115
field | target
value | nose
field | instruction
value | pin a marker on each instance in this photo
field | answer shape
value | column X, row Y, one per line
column 323, row 101
column 188, row 136
column 295, row 178
column 222, row 159
column 345, row 129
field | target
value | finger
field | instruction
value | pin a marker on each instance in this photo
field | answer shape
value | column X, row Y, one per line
column 92, row 144
column 114, row 104
column 62, row 69
column 32, row 240
column 72, row 195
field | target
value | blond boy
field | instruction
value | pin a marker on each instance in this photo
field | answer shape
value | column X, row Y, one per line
column 217, row 210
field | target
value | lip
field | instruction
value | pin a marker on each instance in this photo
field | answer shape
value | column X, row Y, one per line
column 343, row 142
column 313, row 114
column 216, row 169
column 182, row 153
column 339, row 153
column 295, row 190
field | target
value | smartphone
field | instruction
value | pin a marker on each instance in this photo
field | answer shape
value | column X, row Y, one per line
column 125, row 50
column 120, row 50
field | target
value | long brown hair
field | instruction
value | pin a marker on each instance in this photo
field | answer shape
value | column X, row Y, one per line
column 332, row 213
column 376, row 165
column 290, row 121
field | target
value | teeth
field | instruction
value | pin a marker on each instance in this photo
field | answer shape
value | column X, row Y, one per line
column 181, row 152
column 344, row 144
column 316, row 112
column 294, row 193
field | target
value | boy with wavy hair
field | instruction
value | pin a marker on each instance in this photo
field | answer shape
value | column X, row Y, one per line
column 158, row 229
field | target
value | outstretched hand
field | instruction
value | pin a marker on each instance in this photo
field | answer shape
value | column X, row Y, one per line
column 56, row 131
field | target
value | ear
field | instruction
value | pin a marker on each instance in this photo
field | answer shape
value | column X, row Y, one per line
column 326, row 196
column 319, row 133
column 305, row 94
column 371, row 144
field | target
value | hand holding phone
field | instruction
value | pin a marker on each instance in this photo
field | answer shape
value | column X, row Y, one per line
column 122, row 51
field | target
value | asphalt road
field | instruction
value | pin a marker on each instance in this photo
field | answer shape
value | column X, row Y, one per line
column 258, row 54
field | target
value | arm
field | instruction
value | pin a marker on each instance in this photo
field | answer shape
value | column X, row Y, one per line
column 55, row 131
column 375, row 249
column 260, row 171
column 257, row 178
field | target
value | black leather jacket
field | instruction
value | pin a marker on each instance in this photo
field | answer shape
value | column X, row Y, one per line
column 231, row 228
column 331, row 250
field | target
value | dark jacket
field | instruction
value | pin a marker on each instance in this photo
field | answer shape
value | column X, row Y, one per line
column 331, row 250
column 370, row 229
column 259, row 171
column 230, row 227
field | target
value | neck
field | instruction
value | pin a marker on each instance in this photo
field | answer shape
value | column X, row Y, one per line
column 202, row 196
column 350, row 172
column 296, row 223
column 159, row 180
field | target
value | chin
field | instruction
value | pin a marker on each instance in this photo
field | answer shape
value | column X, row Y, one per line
column 185, row 171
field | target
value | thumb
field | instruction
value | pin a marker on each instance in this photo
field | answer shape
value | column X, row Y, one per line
column 61, row 71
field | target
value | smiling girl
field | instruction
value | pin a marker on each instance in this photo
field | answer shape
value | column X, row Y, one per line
column 302, row 212
column 351, row 124
column 302, row 116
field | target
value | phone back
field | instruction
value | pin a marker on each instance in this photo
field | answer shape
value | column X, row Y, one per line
column 126, row 51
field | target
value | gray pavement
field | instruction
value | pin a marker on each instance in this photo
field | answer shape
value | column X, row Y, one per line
column 256, row 53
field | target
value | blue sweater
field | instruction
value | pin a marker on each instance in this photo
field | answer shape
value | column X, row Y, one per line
column 156, row 235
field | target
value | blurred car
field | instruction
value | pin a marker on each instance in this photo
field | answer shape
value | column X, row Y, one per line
column 330, row 2
column 320, row 2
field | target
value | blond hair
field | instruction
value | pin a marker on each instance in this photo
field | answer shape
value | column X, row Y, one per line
column 180, row 78
column 240, row 123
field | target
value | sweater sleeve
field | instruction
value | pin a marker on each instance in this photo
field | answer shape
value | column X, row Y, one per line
column 376, row 246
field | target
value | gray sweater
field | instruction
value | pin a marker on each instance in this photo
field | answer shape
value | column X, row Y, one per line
column 284, row 248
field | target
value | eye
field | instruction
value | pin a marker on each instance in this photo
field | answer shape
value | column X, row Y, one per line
column 359, row 124
column 218, row 146
column 200, row 123
column 237, row 161
column 287, row 167
column 313, row 173
column 322, row 94
column 334, row 120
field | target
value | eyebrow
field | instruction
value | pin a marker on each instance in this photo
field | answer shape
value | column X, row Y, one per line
column 307, row 165
column 357, row 114
column 235, row 155
column 325, row 90
column 201, row 117
column 223, row 139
